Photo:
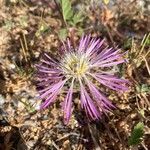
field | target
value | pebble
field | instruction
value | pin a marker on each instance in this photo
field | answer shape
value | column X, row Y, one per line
column 2, row 100
column 31, row 143
column 141, row 3
column 12, row 66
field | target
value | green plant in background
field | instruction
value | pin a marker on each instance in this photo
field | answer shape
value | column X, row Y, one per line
column 71, row 19
column 8, row 25
column 42, row 28
column 62, row 33
column 23, row 72
column 66, row 10
column 144, row 88
column 138, row 53
column 69, row 15
column 137, row 134
column 127, row 43
column 23, row 21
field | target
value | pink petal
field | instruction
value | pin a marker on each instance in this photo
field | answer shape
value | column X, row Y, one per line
column 88, row 105
column 67, row 105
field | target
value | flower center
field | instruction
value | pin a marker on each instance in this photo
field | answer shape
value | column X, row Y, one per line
column 75, row 64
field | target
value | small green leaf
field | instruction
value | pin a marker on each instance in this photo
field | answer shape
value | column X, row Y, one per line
column 80, row 31
column 62, row 34
column 43, row 27
column 144, row 88
column 142, row 112
column 23, row 20
column 127, row 43
column 78, row 17
column 136, row 134
column 106, row 1
column 66, row 9
column 8, row 25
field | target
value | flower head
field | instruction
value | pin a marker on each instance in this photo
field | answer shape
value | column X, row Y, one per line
column 85, row 68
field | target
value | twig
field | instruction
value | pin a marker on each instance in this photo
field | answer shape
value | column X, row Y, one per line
column 147, row 66
column 110, row 135
column 56, row 146
column 96, row 143
column 144, row 146
column 110, row 36
column 23, row 50
column 145, row 98
column 25, row 42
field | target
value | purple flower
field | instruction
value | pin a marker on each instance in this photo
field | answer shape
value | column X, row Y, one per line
column 85, row 69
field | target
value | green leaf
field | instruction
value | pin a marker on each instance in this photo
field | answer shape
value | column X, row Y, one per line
column 8, row 25
column 62, row 34
column 78, row 17
column 80, row 31
column 106, row 1
column 43, row 27
column 144, row 88
column 142, row 112
column 127, row 43
column 23, row 20
column 66, row 9
column 136, row 134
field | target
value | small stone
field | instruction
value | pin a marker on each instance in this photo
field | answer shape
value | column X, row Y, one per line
column 2, row 100
column 123, row 106
column 12, row 66
column 133, row 115
column 30, row 143
column 49, row 142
